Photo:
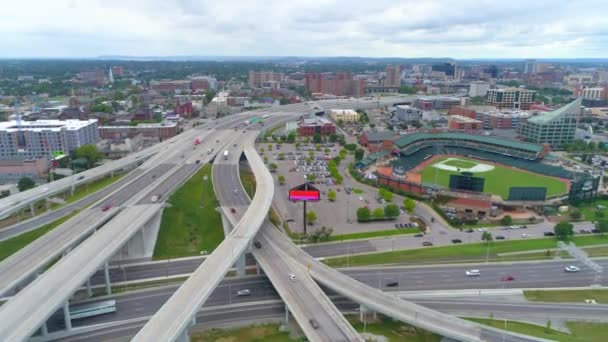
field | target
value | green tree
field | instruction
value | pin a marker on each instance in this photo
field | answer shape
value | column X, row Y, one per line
column 576, row 214
column 281, row 156
column 311, row 177
column 477, row 100
column 209, row 95
column 326, row 150
column 378, row 213
column 273, row 167
column 269, row 147
column 331, row 195
column 359, row 154
column 265, row 160
column 291, row 137
column 118, row 96
column 506, row 220
column 343, row 153
column 311, row 153
column 340, row 123
column 486, row 236
column 564, row 230
column 407, row 90
column 409, row 205
column 308, row 160
column 602, row 225
column 363, row 214
column 281, row 180
column 307, row 140
column 316, row 138
column 90, row 153
column 25, row 183
column 298, row 145
column 391, row 210
column 311, row 217
column 385, row 194
column 318, row 147
column 333, row 137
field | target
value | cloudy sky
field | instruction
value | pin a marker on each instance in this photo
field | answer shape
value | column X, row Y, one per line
column 377, row 28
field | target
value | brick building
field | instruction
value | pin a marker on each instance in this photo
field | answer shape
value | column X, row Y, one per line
column 339, row 84
column 374, row 141
column 311, row 126
column 459, row 122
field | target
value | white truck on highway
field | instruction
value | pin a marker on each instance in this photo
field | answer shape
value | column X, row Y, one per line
column 226, row 155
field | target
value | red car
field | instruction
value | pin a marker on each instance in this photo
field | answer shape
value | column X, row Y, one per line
column 507, row 278
column 106, row 207
column 232, row 210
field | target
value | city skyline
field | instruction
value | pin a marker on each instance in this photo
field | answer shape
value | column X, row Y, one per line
column 474, row 29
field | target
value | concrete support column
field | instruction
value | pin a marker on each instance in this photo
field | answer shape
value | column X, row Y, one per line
column 258, row 269
column 286, row 315
column 240, row 265
column 89, row 289
column 361, row 312
column 32, row 209
column 112, row 174
column 44, row 330
column 184, row 337
column 72, row 189
column 66, row 316
column 193, row 321
column 106, row 272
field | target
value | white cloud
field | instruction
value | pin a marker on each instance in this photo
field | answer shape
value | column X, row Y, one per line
column 380, row 28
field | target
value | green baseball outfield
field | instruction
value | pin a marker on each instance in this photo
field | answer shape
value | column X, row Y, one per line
column 498, row 179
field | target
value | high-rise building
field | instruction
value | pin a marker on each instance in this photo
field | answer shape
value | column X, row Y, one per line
column 96, row 77
column 596, row 93
column 118, row 71
column 555, row 128
column 265, row 79
column 39, row 139
column 515, row 98
column 448, row 68
column 339, row 84
column 393, row 76
column 530, row 66
column 491, row 70
column 478, row 88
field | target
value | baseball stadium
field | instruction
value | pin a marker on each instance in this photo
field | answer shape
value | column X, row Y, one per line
column 508, row 170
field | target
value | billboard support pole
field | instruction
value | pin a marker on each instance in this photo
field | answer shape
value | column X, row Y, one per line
column 305, row 217
column 305, row 188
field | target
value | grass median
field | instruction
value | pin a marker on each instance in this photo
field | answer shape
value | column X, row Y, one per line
column 11, row 246
column 262, row 332
column 567, row 296
column 580, row 331
column 460, row 253
column 372, row 234
column 190, row 223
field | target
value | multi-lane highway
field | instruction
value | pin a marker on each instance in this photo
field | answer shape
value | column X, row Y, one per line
column 177, row 312
column 141, row 304
column 50, row 216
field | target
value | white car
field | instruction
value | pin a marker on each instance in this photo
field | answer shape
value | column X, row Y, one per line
column 524, row 235
column 292, row 277
column 245, row 292
column 571, row 268
column 236, row 192
column 482, row 229
column 472, row 273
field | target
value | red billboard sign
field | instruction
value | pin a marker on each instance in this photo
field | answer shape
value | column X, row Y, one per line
column 304, row 195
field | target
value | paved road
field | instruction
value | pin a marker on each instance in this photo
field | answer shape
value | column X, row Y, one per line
column 144, row 303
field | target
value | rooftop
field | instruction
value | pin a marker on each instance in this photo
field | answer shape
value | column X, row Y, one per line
column 379, row 136
column 146, row 125
column 45, row 125
column 408, row 139
column 461, row 118
column 573, row 107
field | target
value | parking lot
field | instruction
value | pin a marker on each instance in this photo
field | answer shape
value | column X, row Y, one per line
column 340, row 215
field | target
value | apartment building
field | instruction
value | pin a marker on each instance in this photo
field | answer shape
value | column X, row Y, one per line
column 265, row 79
column 515, row 98
column 39, row 139
column 555, row 128
column 346, row 115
